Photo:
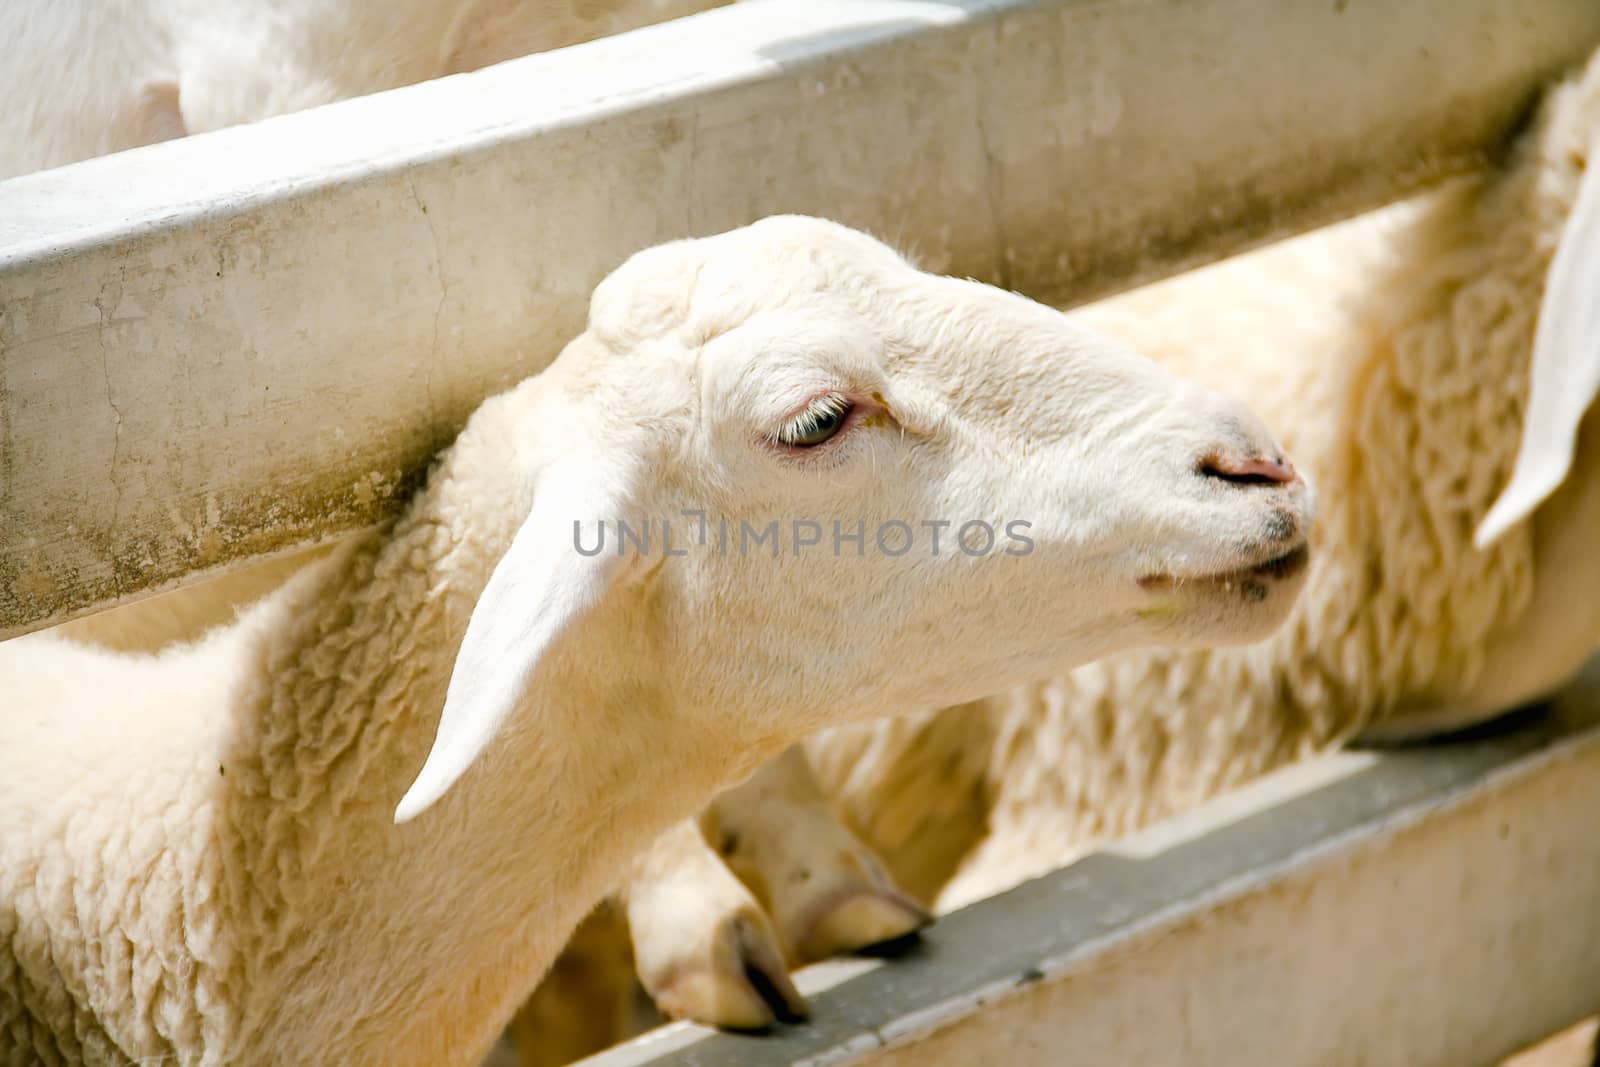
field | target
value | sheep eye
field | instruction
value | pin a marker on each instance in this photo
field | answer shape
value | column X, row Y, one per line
column 821, row 420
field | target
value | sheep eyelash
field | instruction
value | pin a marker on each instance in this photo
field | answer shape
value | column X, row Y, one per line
column 820, row 410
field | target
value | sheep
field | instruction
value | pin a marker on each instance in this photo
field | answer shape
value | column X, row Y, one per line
column 1395, row 350
column 226, row 852
column 85, row 78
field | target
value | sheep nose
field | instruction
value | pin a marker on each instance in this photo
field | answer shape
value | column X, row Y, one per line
column 1248, row 470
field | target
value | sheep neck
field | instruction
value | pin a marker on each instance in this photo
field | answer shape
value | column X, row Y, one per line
column 449, row 919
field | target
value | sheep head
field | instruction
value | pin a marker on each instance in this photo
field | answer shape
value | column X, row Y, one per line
column 838, row 486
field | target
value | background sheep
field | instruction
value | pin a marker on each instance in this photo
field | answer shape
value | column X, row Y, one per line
column 1394, row 350
column 1405, row 407
column 87, row 77
column 198, row 856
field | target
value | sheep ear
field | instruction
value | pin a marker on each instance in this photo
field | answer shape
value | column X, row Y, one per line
column 540, row 587
column 1566, row 364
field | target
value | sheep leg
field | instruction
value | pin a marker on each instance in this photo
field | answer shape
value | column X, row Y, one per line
column 702, row 945
column 700, row 901
column 826, row 891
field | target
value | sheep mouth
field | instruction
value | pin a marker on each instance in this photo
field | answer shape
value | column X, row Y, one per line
column 1251, row 583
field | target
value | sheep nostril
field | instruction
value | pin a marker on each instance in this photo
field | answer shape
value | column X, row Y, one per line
column 1253, row 471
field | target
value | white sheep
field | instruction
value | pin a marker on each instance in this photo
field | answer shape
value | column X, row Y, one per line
column 1395, row 352
column 87, row 77
column 199, row 856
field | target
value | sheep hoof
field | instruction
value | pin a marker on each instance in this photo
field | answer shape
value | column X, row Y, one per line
column 746, row 985
column 861, row 921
